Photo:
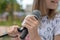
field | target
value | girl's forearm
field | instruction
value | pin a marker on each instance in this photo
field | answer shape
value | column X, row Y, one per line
column 34, row 35
column 17, row 38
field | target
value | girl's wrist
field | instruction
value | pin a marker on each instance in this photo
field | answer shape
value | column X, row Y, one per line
column 15, row 36
column 33, row 33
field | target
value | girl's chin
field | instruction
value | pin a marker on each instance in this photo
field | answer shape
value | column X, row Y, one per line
column 52, row 8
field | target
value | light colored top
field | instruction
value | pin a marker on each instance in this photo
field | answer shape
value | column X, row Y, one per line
column 49, row 28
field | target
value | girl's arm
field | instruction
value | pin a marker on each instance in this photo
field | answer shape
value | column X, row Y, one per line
column 57, row 37
column 34, row 35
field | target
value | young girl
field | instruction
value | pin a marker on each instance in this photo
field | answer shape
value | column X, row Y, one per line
column 49, row 26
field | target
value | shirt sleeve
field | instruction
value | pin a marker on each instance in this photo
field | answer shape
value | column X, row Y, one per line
column 57, row 26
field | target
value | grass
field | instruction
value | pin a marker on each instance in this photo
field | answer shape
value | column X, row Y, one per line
column 9, row 22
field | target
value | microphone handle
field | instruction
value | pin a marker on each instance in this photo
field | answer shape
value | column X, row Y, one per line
column 24, row 33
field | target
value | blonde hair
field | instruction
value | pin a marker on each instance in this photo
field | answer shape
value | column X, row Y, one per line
column 41, row 6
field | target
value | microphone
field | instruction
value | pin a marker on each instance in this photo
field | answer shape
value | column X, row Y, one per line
column 37, row 15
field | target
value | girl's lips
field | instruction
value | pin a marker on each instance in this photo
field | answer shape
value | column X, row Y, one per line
column 54, row 1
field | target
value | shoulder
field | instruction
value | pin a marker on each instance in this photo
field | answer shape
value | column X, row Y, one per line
column 56, row 19
column 56, row 24
column 57, row 15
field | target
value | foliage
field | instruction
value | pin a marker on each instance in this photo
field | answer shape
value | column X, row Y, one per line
column 14, row 5
column 3, row 5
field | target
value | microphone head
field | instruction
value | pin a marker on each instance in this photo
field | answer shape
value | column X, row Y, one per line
column 37, row 13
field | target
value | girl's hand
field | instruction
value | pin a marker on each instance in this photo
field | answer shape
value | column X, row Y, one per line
column 30, row 22
column 12, row 31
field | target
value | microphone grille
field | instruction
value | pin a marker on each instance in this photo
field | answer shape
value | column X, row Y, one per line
column 37, row 13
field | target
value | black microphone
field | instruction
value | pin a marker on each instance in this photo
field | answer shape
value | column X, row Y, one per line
column 37, row 15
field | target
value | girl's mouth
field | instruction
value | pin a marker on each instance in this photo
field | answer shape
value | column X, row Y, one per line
column 54, row 1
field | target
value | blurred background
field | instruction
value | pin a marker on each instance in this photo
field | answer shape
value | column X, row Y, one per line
column 13, row 12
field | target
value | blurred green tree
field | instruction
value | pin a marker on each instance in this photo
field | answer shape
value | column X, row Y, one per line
column 9, row 6
column 3, row 5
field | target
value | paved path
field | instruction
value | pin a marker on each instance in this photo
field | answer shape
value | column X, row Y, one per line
column 2, row 31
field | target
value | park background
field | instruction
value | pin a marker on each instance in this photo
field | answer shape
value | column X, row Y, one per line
column 14, row 11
